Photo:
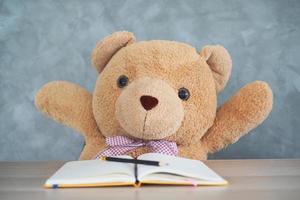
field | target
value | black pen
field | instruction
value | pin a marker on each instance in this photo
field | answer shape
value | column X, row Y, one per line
column 134, row 161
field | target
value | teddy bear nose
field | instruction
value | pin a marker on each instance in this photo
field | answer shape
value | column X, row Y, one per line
column 148, row 102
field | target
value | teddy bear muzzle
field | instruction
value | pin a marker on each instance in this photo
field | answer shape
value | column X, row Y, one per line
column 149, row 108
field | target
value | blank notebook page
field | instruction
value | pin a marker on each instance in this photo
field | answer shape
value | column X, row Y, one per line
column 180, row 166
column 93, row 171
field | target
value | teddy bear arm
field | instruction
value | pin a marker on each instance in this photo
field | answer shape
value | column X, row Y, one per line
column 68, row 104
column 249, row 107
column 92, row 146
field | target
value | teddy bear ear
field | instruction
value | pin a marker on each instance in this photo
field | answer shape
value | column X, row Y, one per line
column 219, row 61
column 106, row 48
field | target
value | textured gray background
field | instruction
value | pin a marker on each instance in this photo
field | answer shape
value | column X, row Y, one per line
column 43, row 41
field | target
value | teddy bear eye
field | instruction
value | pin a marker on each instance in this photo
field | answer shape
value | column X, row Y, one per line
column 122, row 81
column 183, row 94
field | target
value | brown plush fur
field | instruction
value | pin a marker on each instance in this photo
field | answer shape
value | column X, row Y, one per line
column 158, row 69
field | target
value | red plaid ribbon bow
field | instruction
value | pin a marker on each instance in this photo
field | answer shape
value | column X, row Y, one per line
column 120, row 145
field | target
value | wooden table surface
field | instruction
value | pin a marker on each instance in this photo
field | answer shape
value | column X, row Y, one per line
column 248, row 179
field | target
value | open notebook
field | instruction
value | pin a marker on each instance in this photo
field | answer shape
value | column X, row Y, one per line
column 94, row 173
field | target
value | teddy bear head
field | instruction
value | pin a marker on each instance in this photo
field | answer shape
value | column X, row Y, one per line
column 157, row 89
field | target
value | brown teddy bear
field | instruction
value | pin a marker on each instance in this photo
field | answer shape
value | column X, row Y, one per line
column 156, row 96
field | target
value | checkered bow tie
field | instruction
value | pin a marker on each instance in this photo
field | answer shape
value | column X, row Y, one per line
column 120, row 145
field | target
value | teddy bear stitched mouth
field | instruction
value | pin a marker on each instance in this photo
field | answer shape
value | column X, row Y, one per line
column 144, row 123
column 144, row 128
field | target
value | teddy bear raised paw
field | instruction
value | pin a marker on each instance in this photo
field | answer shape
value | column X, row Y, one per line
column 156, row 96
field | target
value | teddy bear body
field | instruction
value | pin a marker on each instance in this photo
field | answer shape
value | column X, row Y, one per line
column 154, row 90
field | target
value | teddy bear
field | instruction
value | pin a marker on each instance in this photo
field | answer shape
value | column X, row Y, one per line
column 156, row 96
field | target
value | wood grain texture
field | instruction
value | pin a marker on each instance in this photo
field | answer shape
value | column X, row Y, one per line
column 249, row 179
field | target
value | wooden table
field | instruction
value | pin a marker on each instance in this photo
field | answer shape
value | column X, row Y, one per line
column 249, row 179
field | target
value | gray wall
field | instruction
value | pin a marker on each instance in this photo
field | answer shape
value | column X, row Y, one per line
column 41, row 41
